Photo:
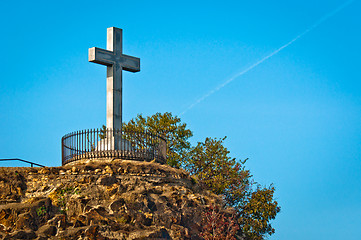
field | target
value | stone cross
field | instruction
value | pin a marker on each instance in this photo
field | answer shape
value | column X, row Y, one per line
column 115, row 61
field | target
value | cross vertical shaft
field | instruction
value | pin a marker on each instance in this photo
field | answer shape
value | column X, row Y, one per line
column 114, row 80
column 115, row 61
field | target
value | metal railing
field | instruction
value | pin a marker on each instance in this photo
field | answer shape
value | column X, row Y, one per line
column 21, row 160
column 109, row 143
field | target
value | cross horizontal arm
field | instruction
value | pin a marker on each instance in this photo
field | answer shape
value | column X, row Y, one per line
column 131, row 64
column 101, row 56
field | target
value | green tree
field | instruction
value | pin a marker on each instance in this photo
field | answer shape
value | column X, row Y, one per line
column 210, row 163
column 256, row 214
column 168, row 126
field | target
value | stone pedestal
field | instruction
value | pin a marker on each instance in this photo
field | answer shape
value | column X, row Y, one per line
column 113, row 143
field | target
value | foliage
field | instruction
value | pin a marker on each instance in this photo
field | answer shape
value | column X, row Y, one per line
column 168, row 126
column 103, row 132
column 61, row 195
column 257, row 212
column 210, row 164
column 216, row 225
column 41, row 211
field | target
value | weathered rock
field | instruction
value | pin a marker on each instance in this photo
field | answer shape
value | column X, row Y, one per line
column 92, row 232
column 117, row 205
column 47, row 230
column 158, row 233
column 71, row 233
column 28, row 234
column 93, row 216
column 12, row 186
column 59, row 221
column 25, row 220
column 107, row 180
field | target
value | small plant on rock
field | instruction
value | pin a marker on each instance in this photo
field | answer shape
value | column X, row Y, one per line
column 41, row 211
column 61, row 194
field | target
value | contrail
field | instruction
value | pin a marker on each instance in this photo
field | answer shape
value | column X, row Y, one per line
column 316, row 24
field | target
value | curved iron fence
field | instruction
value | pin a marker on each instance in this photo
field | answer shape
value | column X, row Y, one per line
column 109, row 143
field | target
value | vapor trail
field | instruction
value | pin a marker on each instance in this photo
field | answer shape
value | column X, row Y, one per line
column 316, row 24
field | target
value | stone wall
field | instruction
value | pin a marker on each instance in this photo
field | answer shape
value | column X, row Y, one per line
column 101, row 200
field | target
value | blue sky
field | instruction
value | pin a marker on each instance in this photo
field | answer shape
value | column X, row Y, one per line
column 296, row 116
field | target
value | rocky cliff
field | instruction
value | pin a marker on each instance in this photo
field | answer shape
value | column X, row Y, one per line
column 101, row 200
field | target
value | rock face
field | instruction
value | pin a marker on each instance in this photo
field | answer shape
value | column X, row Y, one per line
column 101, row 200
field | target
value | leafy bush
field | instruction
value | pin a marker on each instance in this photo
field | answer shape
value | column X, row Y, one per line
column 217, row 226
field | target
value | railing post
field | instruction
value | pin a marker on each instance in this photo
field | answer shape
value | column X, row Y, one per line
column 62, row 151
column 163, row 147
